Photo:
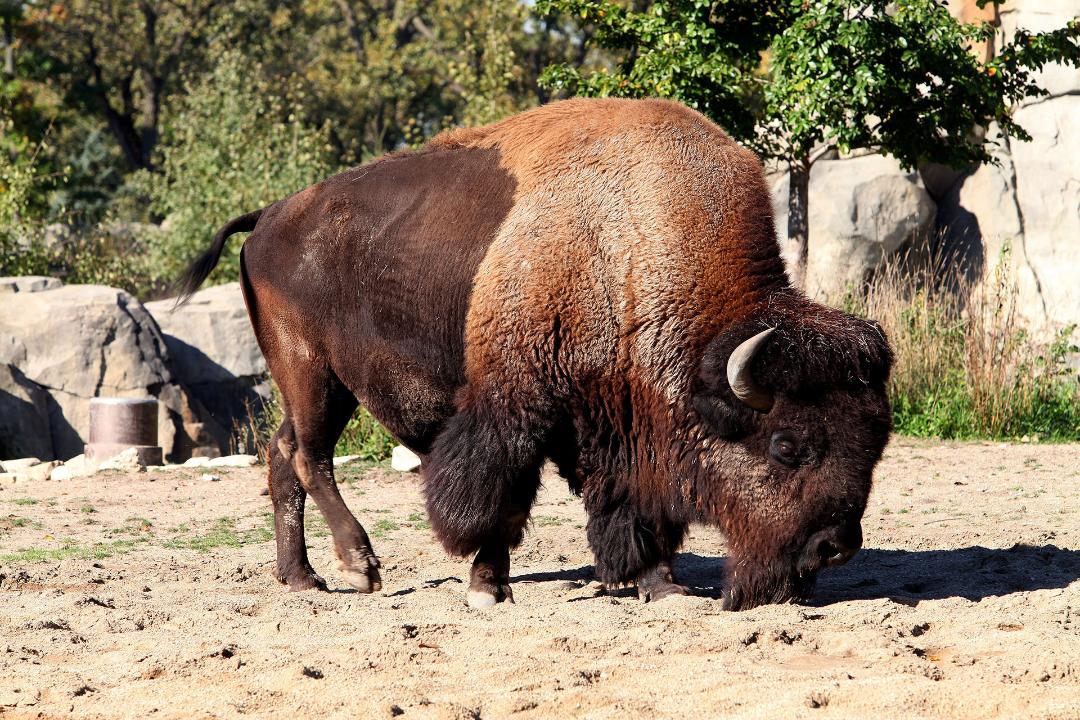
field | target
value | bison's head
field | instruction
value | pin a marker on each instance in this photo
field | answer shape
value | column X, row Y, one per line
column 794, row 401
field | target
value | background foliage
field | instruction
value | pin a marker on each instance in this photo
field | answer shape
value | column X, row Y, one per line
column 184, row 113
column 235, row 146
column 131, row 130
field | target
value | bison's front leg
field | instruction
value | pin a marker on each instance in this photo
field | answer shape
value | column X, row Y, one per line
column 481, row 480
column 489, row 580
column 658, row 583
column 628, row 548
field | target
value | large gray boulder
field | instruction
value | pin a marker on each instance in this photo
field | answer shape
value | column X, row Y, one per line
column 862, row 211
column 215, row 353
column 78, row 342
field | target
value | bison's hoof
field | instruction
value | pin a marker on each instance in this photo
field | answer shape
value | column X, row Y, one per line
column 361, row 570
column 659, row 591
column 487, row 596
column 300, row 579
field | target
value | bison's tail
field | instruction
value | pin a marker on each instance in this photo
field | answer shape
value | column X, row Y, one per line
column 205, row 263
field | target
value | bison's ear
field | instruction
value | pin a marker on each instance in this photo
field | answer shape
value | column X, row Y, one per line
column 714, row 396
column 721, row 417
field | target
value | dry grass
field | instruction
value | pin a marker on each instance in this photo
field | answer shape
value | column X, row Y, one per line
column 967, row 366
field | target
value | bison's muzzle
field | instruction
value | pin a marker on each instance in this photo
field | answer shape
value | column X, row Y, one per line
column 829, row 547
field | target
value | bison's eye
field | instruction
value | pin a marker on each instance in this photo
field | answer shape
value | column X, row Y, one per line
column 784, row 449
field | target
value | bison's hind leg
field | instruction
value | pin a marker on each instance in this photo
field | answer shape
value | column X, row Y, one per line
column 318, row 406
column 288, row 497
column 481, row 479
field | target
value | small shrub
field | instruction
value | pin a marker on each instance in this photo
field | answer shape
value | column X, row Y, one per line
column 364, row 436
column 94, row 255
column 252, row 433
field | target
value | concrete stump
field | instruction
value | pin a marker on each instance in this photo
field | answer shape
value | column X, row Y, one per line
column 117, row 424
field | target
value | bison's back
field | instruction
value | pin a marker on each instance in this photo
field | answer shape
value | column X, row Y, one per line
column 371, row 272
column 638, row 227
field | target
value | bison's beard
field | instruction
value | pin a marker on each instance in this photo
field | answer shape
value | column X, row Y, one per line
column 750, row 582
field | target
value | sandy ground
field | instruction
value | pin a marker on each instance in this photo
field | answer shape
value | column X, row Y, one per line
column 150, row 595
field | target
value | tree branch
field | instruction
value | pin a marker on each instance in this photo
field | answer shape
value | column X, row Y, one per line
column 352, row 28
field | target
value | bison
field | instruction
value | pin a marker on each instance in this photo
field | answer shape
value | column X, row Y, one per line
column 594, row 282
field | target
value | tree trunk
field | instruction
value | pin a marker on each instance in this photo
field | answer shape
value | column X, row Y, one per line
column 353, row 28
column 123, row 130
column 9, row 48
column 153, row 92
column 798, row 226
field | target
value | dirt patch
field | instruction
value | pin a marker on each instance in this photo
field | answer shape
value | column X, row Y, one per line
column 151, row 595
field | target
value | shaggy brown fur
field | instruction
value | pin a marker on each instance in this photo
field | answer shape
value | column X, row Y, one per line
column 567, row 283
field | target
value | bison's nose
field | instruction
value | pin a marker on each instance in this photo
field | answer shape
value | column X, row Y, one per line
column 830, row 547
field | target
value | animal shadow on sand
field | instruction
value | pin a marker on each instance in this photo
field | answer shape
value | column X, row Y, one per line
column 906, row 576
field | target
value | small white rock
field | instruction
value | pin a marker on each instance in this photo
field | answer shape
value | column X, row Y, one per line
column 14, row 466
column 403, row 459
column 234, row 461
column 63, row 473
column 210, row 477
column 344, row 459
column 73, row 468
column 128, row 461
column 42, row 471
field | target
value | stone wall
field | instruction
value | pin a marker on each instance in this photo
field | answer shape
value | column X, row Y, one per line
column 1031, row 199
column 863, row 209
column 215, row 353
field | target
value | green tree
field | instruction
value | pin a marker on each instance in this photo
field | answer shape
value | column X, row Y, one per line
column 236, row 144
column 705, row 54
column 118, row 61
column 393, row 72
column 894, row 77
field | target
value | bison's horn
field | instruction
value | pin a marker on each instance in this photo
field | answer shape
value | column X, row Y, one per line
column 739, row 378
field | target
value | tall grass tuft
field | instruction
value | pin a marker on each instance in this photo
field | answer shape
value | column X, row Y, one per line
column 966, row 364
column 363, row 435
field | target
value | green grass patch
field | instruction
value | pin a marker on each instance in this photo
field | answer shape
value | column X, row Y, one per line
column 548, row 521
column 136, row 526
column 419, row 521
column 72, row 549
column 223, row 534
column 354, row 472
column 25, row 501
column 14, row 521
column 314, row 524
column 383, row 527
